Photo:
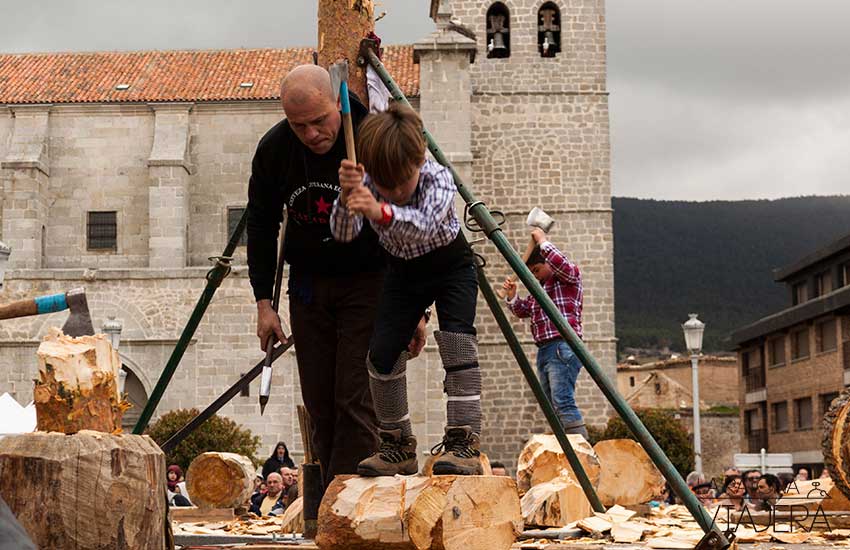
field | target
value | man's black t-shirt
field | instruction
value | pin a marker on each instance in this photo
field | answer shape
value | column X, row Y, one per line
column 285, row 171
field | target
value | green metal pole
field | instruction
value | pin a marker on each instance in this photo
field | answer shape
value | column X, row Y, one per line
column 542, row 400
column 481, row 213
column 214, row 278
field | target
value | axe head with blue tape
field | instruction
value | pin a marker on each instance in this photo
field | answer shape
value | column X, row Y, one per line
column 79, row 321
column 339, row 84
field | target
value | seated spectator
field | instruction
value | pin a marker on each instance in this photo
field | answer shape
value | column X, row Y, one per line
column 704, row 493
column 802, row 475
column 733, row 493
column 694, row 479
column 278, row 459
column 271, row 503
column 176, row 491
column 751, row 482
column 290, row 485
column 825, row 473
column 731, row 471
column 769, row 490
column 499, row 469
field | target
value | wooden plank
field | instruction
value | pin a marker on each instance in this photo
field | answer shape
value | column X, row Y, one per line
column 193, row 514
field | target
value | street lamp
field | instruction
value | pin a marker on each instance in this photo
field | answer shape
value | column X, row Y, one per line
column 112, row 327
column 693, row 329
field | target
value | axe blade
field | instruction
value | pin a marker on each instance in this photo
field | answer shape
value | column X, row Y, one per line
column 538, row 218
column 79, row 321
column 339, row 74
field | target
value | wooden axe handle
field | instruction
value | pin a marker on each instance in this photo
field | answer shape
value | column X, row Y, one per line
column 22, row 308
column 348, row 128
column 528, row 250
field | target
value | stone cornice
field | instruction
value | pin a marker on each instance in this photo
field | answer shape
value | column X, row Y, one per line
column 28, row 147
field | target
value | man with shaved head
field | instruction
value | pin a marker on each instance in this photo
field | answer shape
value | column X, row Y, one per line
column 333, row 287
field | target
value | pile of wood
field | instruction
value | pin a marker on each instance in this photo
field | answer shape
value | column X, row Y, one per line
column 419, row 513
column 620, row 471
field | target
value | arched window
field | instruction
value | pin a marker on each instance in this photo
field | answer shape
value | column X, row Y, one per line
column 548, row 30
column 498, row 31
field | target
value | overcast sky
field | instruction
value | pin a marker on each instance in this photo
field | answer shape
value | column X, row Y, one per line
column 719, row 99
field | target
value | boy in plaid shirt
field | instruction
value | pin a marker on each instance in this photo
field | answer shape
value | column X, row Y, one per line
column 557, row 365
column 409, row 202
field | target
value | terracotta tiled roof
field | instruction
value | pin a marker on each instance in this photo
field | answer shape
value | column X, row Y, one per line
column 209, row 75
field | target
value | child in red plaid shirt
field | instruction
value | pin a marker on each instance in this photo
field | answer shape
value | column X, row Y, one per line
column 557, row 365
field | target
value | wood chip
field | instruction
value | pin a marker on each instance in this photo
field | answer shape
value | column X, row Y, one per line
column 594, row 524
column 627, row 531
column 791, row 538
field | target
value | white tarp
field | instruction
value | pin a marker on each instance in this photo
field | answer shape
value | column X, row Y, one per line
column 15, row 419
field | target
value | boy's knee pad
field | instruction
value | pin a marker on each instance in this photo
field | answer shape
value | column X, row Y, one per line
column 389, row 394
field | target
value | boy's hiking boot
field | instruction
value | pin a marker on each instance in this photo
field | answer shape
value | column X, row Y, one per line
column 396, row 455
column 461, row 455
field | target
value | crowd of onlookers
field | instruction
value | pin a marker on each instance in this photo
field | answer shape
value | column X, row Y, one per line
column 750, row 488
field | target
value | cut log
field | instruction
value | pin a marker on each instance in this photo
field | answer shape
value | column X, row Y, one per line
column 77, row 388
column 836, row 442
column 542, row 459
column 628, row 476
column 220, row 480
column 292, row 520
column 342, row 25
column 555, row 503
column 428, row 467
column 90, row 490
column 813, row 494
column 406, row 513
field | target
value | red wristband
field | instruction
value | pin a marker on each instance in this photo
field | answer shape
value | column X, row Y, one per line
column 386, row 214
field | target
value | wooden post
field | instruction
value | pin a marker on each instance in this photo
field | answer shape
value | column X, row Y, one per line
column 342, row 25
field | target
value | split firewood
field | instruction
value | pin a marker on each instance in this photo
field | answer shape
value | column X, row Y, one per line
column 555, row 503
column 627, row 531
column 628, row 475
column 342, row 25
column 220, row 480
column 542, row 459
column 90, row 490
column 77, row 388
column 406, row 513
column 594, row 524
column 428, row 467
column 292, row 520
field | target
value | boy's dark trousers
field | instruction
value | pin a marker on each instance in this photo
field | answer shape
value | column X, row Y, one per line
column 332, row 320
column 445, row 277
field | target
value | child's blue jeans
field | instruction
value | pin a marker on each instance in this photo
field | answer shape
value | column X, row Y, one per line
column 558, row 368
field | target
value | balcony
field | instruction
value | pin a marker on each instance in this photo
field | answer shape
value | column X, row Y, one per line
column 754, row 380
column 846, row 355
column 756, row 441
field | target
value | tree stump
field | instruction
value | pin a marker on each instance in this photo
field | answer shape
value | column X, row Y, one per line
column 406, row 513
column 836, row 442
column 542, row 460
column 77, row 387
column 220, row 480
column 292, row 520
column 555, row 503
column 628, row 475
column 342, row 25
column 90, row 490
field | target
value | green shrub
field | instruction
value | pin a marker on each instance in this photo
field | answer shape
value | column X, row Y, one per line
column 671, row 436
column 216, row 434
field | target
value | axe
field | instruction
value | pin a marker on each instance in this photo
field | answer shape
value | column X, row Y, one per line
column 78, row 323
column 537, row 218
column 339, row 84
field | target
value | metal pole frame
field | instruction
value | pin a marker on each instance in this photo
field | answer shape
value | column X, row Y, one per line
column 715, row 538
column 697, row 428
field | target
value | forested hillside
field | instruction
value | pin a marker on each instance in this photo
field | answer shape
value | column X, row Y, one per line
column 712, row 258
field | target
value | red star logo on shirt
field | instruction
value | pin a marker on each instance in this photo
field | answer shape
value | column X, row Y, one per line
column 323, row 207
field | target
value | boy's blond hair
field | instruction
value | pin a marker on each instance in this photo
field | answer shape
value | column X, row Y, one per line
column 391, row 145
